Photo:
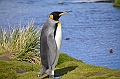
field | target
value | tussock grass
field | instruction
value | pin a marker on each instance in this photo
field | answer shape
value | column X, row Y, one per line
column 20, row 42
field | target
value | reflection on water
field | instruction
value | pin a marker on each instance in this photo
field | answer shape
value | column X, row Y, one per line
column 93, row 29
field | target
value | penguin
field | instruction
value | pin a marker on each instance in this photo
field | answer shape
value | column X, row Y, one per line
column 50, row 43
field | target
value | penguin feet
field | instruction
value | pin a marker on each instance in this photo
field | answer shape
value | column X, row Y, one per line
column 39, row 75
column 56, row 76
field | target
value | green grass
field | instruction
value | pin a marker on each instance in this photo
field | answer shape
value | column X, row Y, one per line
column 116, row 3
column 68, row 67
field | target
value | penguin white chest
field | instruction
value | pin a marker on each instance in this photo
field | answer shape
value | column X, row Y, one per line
column 58, row 36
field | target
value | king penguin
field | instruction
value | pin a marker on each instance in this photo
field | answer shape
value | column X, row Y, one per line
column 50, row 43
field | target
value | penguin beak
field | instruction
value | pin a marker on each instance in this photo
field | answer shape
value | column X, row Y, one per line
column 65, row 12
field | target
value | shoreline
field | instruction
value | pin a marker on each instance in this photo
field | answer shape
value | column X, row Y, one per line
column 67, row 66
column 97, row 0
column 85, row 1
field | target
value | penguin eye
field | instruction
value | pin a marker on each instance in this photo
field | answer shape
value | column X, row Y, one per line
column 51, row 16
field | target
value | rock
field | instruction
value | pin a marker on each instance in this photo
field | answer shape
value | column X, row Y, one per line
column 6, row 56
column 111, row 51
column 60, row 2
column 85, row 1
column 67, row 39
column 19, row 70
column 103, row 0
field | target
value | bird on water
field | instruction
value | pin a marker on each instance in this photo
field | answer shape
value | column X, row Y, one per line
column 50, row 43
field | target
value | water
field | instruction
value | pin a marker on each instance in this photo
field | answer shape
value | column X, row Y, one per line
column 93, row 28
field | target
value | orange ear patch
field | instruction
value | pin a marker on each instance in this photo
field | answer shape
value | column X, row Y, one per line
column 51, row 16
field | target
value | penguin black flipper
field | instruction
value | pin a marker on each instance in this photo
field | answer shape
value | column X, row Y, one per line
column 52, row 49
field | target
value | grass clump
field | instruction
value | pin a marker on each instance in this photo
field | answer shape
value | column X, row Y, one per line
column 20, row 42
column 116, row 3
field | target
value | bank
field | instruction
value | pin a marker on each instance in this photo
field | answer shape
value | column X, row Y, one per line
column 68, row 67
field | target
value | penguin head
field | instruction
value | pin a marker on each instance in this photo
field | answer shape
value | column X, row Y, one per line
column 56, row 15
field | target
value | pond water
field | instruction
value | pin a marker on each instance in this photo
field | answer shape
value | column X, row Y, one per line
column 93, row 29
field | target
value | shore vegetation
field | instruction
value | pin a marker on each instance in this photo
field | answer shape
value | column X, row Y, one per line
column 116, row 3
